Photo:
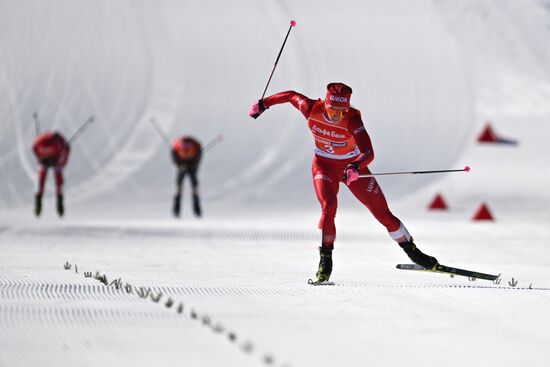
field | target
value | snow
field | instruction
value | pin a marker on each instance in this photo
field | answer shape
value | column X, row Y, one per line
column 427, row 76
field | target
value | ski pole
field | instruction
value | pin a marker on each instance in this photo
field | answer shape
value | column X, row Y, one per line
column 212, row 143
column 465, row 169
column 36, row 123
column 161, row 133
column 292, row 24
column 81, row 129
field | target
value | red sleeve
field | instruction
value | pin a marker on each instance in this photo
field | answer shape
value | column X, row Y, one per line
column 38, row 141
column 362, row 139
column 299, row 101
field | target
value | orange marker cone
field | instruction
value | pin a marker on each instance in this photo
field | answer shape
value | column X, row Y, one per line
column 438, row 203
column 488, row 135
column 483, row 213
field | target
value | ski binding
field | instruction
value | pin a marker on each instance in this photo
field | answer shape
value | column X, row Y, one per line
column 316, row 282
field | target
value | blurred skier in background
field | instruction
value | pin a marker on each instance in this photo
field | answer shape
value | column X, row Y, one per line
column 343, row 151
column 52, row 151
column 186, row 155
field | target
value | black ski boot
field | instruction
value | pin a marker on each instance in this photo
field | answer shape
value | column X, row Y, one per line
column 417, row 256
column 196, row 205
column 37, row 204
column 325, row 264
column 176, row 206
column 60, row 207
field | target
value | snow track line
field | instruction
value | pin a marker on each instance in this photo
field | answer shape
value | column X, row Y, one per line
column 69, row 314
column 56, row 292
column 463, row 286
column 72, row 232
column 156, row 295
column 307, row 289
column 78, row 292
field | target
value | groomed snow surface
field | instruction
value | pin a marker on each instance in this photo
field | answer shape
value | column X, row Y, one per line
column 251, row 283
column 119, row 282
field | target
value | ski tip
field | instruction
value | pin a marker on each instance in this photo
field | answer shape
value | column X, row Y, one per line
column 467, row 168
column 293, row 23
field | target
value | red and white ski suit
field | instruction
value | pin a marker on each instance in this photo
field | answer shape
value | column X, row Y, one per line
column 338, row 144
column 51, row 150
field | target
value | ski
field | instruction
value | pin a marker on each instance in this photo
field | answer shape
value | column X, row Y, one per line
column 472, row 275
column 316, row 282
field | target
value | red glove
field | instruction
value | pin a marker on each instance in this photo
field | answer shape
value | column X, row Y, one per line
column 351, row 173
column 257, row 109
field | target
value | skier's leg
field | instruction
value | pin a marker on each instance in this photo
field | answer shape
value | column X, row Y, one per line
column 42, row 173
column 195, row 187
column 177, row 197
column 58, row 170
column 58, row 180
column 371, row 195
column 368, row 192
column 326, row 189
column 326, row 185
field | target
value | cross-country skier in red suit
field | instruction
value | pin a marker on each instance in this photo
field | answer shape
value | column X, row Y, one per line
column 186, row 155
column 343, row 151
column 51, row 151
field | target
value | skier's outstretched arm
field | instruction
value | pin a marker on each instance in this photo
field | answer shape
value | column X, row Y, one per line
column 299, row 101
